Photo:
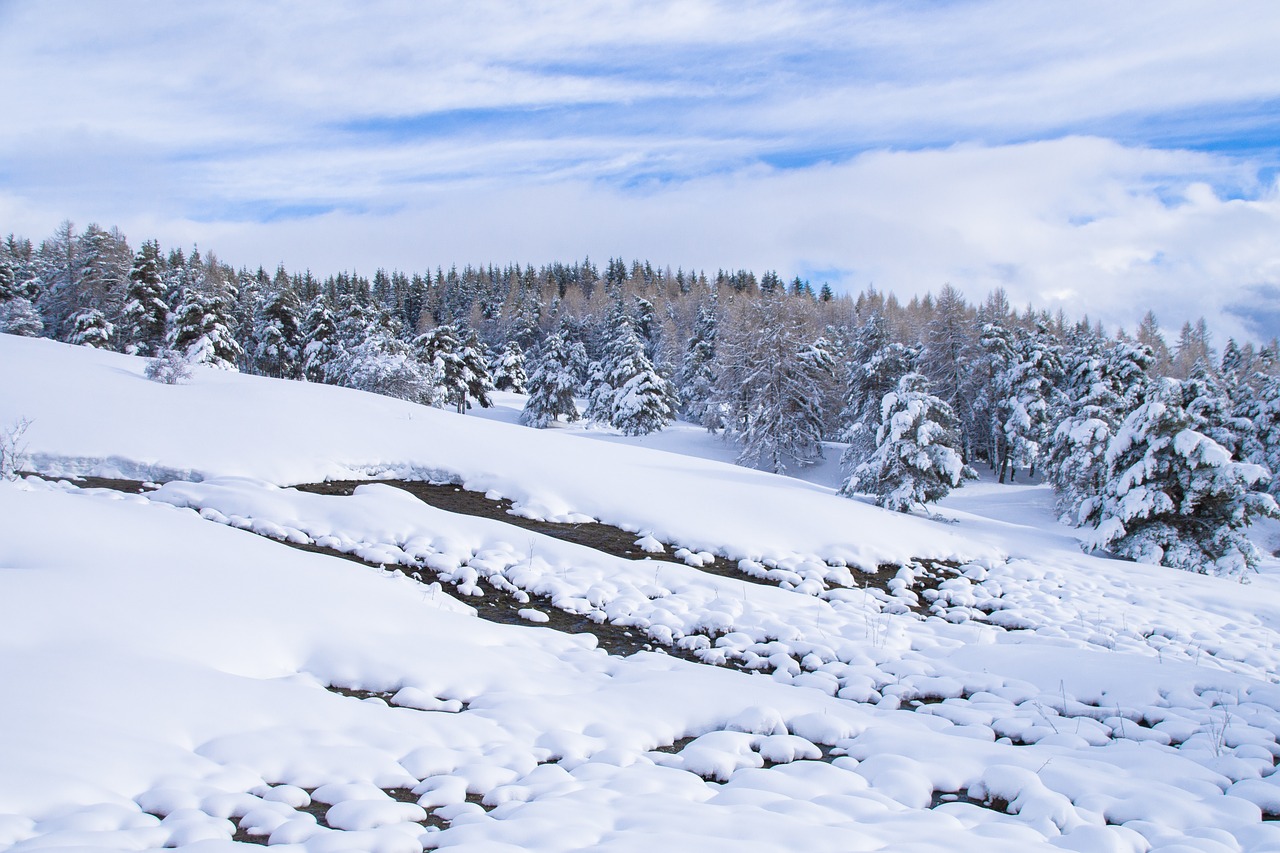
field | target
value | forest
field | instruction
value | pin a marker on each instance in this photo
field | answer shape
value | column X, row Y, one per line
column 1163, row 452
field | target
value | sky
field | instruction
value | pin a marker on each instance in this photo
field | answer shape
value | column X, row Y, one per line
column 1099, row 157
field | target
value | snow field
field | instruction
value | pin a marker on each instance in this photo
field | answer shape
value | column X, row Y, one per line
column 166, row 676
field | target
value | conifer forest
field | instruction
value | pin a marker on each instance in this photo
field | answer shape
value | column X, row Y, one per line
column 1162, row 447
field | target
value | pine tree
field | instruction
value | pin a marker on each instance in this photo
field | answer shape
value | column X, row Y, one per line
column 201, row 330
column 1174, row 496
column 552, row 384
column 1105, row 382
column 1211, row 410
column 19, row 317
column 508, row 369
column 320, row 344
column 1026, row 373
column 917, row 457
column 459, row 363
column 145, row 317
column 876, row 365
column 1262, row 443
column 277, row 334
column 89, row 328
column 644, row 402
column 697, row 379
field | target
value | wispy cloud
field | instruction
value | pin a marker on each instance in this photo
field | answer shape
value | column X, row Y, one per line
column 1100, row 156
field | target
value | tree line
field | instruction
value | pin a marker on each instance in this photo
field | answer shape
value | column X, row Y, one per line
column 1163, row 452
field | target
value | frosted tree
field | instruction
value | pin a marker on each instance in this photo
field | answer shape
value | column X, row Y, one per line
column 1104, row 384
column 876, row 365
column 89, row 328
column 201, row 330
column 771, row 385
column 384, row 364
column 917, row 457
column 508, row 369
column 1210, row 408
column 644, row 402
column 696, row 379
column 1026, row 368
column 145, row 317
column 1262, row 444
column 552, row 383
column 277, row 334
column 1174, row 496
column 320, row 344
column 478, row 380
column 459, row 364
column 19, row 317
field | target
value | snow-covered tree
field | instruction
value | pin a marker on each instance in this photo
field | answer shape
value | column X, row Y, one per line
column 1210, row 408
column 917, row 457
column 19, row 317
column 1174, row 496
column 89, row 328
column 696, row 379
column 770, row 385
column 644, row 402
column 459, row 363
column 277, row 334
column 508, row 369
column 1262, row 443
column 320, row 342
column 626, row 390
column 145, row 317
column 201, row 329
column 552, row 383
column 1104, row 384
column 875, row 367
column 384, row 364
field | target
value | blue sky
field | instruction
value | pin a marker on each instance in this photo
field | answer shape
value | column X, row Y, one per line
column 1099, row 157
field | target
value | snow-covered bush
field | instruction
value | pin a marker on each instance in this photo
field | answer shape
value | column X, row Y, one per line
column 170, row 367
column 12, row 449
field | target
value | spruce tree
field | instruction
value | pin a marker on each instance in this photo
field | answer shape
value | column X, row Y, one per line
column 917, row 457
column 277, row 334
column 1174, row 496
column 145, row 317
column 696, row 379
column 508, row 369
column 89, row 328
column 201, row 330
column 320, row 344
column 19, row 317
column 551, row 385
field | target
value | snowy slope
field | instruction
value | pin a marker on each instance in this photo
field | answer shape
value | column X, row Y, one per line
column 165, row 673
column 93, row 412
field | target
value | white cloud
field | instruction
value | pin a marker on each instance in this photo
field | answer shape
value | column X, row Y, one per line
column 640, row 129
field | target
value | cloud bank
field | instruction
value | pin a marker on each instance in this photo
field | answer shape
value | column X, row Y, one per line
column 1100, row 159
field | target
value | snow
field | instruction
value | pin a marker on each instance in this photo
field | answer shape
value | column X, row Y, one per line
column 166, row 664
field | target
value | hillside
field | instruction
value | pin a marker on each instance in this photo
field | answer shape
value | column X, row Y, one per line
column 823, row 674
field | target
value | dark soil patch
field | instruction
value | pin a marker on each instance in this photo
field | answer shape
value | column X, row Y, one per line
column 596, row 535
column 131, row 486
column 606, row 538
column 943, row 797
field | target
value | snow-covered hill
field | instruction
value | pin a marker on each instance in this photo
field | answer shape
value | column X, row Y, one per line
column 172, row 679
